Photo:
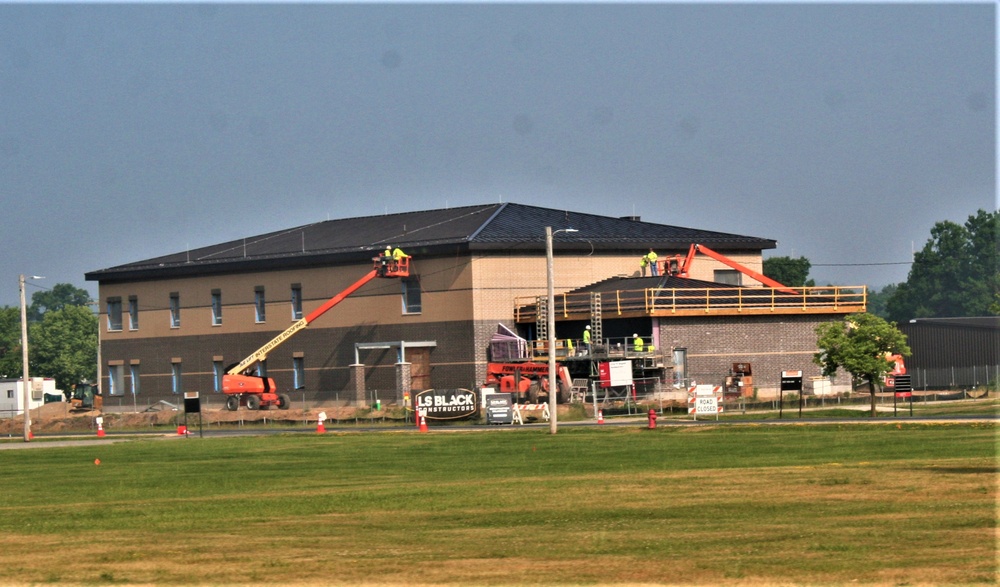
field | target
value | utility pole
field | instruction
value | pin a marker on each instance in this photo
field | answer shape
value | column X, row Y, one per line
column 26, row 394
column 553, row 384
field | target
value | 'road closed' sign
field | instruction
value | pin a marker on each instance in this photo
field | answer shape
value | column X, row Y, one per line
column 706, row 405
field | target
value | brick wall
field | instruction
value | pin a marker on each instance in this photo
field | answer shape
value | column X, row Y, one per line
column 770, row 344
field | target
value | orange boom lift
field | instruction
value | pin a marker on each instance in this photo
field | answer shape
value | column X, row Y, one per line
column 257, row 392
column 675, row 265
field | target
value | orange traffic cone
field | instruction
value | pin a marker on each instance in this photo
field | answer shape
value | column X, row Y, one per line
column 31, row 435
column 100, row 430
column 182, row 429
column 320, row 428
column 423, row 423
column 600, row 416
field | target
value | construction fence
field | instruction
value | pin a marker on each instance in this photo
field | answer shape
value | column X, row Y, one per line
column 670, row 398
column 956, row 378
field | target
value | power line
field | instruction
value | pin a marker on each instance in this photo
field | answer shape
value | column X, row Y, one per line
column 860, row 264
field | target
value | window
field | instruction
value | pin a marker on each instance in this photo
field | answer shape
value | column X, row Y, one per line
column 298, row 373
column 116, row 379
column 296, row 301
column 176, row 385
column 216, row 307
column 258, row 302
column 175, row 310
column 10, row 394
column 114, row 313
column 411, row 295
column 217, row 373
column 134, row 372
column 133, row 313
column 728, row 277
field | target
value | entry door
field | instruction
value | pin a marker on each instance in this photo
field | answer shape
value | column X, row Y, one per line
column 420, row 368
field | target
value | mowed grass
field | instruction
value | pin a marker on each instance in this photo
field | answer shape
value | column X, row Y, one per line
column 889, row 504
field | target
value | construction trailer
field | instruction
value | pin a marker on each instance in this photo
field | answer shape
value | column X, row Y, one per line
column 12, row 395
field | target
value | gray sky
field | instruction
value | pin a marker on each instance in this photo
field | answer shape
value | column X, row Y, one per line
column 842, row 131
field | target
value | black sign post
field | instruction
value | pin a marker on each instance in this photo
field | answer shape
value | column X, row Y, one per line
column 790, row 381
column 902, row 388
column 192, row 405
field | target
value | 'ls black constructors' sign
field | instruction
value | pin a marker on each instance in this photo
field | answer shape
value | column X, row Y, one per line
column 446, row 404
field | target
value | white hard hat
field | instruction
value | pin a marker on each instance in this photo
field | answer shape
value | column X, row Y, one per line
column 588, row 327
column 635, row 335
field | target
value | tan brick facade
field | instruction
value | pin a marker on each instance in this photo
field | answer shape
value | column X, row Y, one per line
column 464, row 297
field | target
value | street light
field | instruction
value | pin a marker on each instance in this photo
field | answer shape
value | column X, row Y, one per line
column 24, row 355
column 551, row 311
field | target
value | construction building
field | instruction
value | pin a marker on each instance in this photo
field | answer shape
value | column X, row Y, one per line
column 176, row 323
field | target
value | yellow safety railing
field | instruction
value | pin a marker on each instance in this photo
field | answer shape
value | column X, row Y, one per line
column 725, row 300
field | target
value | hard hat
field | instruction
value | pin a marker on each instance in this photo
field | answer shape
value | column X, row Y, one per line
column 634, row 335
column 588, row 327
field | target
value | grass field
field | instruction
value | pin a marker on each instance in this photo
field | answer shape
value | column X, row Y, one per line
column 890, row 504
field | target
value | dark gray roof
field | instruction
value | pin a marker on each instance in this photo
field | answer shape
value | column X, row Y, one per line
column 424, row 233
column 988, row 322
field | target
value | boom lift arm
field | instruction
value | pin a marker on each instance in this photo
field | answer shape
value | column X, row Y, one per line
column 681, row 268
column 396, row 268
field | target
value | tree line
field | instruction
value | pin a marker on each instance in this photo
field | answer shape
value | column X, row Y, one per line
column 62, row 337
column 955, row 274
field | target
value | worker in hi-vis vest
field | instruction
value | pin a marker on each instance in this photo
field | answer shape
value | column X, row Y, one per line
column 637, row 343
column 586, row 339
column 651, row 257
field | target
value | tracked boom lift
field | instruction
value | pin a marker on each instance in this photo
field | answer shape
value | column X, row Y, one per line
column 257, row 392
column 675, row 265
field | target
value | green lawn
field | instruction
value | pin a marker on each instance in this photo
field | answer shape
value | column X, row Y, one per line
column 891, row 504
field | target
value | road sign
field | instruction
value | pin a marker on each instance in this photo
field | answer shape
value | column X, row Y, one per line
column 706, row 405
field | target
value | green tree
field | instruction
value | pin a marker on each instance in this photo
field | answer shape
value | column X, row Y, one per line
column 956, row 274
column 859, row 345
column 60, row 296
column 789, row 271
column 11, row 361
column 64, row 345
column 878, row 301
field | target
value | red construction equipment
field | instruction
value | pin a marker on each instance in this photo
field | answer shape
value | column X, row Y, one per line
column 680, row 267
column 530, row 378
column 256, row 392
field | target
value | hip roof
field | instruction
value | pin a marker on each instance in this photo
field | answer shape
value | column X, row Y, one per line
column 502, row 226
